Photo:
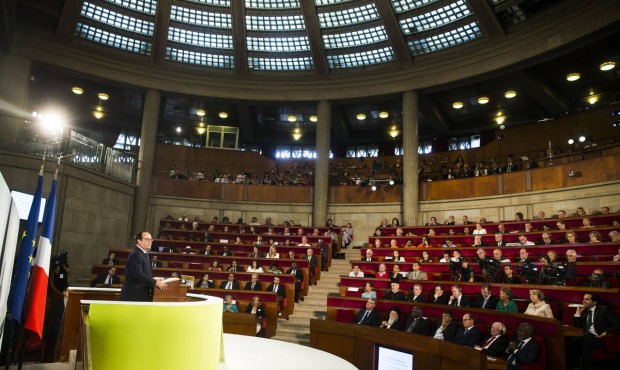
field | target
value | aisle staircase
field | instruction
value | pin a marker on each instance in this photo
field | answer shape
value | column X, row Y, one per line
column 297, row 328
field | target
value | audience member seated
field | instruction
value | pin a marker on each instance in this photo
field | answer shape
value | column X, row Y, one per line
column 416, row 273
column 225, row 252
column 446, row 257
column 416, row 323
column 486, row 299
column 466, row 273
column 278, row 288
column 234, row 267
column 356, row 272
column 312, row 263
column 393, row 322
column 369, row 257
column 468, row 335
column 111, row 260
column 229, row 306
column 457, row 298
column 570, row 237
column 254, row 267
column 426, row 242
column 106, row 279
column 416, row 294
column 595, row 237
column 230, row 284
column 479, row 230
column 614, row 236
column 256, row 308
column 438, row 296
column 254, row 284
column 395, row 276
column 154, row 262
column 507, row 276
column 215, row 266
column 426, row 257
column 273, row 269
column 445, row 327
column 495, row 345
column 382, row 272
column 597, row 322
column 369, row 292
column 506, row 303
column 204, row 282
column 395, row 257
column 368, row 315
column 523, row 351
column 394, row 293
column 538, row 307
column 596, row 280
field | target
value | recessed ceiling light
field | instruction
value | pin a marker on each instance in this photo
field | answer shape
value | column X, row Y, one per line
column 361, row 116
column 179, row 129
column 573, row 77
column 384, row 115
column 483, row 100
column 607, row 66
column 201, row 130
column 77, row 90
column 510, row 94
column 571, row 141
column 98, row 114
column 201, row 112
column 458, row 105
column 592, row 99
column 393, row 133
column 103, row 96
column 582, row 138
column 292, row 118
column 500, row 119
column 314, row 118
column 223, row 115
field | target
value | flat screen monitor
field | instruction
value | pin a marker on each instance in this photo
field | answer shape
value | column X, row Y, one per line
column 23, row 201
column 393, row 359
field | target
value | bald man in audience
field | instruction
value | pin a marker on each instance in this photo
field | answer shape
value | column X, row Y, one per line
column 496, row 343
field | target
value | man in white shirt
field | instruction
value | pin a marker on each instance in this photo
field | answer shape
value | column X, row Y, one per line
column 356, row 272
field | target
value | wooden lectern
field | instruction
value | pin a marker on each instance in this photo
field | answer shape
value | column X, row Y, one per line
column 175, row 292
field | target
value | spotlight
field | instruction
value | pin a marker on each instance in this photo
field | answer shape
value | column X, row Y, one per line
column 483, row 100
column 573, row 77
column 592, row 99
column 200, row 112
column 501, row 127
column 510, row 94
column 374, row 187
column 393, row 133
column 571, row 141
column 607, row 66
column 77, row 90
column 458, row 105
column 314, row 118
column 582, row 138
column 384, row 115
column 103, row 96
column 201, row 130
column 292, row 118
column 361, row 116
column 392, row 182
column 500, row 119
column 179, row 129
column 223, row 115
column 296, row 136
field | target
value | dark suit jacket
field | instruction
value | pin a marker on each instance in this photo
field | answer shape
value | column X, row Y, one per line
column 502, row 244
column 497, row 348
column 257, row 287
column 299, row 274
column 281, row 290
column 469, row 339
column 107, row 260
column 156, row 264
column 440, row 300
column 313, row 261
column 204, row 251
column 420, row 298
column 604, row 320
column 260, row 310
column 139, row 282
column 235, row 284
column 420, row 326
column 398, row 296
column 464, row 302
column 227, row 253
column 397, row 325
column 491, row 303
column 235, row 269
column 100, row 279
column 199, row 282
column 450, row 331
column 368, row 259
column 526, row 355
column 372, row 319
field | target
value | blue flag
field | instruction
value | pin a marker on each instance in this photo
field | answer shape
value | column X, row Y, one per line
column 23, row 263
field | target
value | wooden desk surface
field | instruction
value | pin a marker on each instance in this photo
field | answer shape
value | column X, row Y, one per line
column 497, row 364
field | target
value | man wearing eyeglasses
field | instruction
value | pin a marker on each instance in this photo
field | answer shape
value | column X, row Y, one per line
column 139, row 282
column 468, row 335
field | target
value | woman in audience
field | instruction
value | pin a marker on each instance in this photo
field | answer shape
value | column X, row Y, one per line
column 571, row 237
column 273, row 269
column 595, row 237
column 255, row 253
column 215, row 266
column 229, row 306
column 378, row 243
column 393, row 322
column 204, row 282
column 273, row 253
column 255, row 267
column 399, row 232
column 553, row 256
column 395, row 222
column 580, row 212
column 369, row 292
column 256, row 308
column 506, row 303
column 587, row 223
column 561, row 225
column 538, row 307
column 479, row 229
column 238, row 241
column 426, row 242
column 426, row 257
column 111, row 260
column 396, row 257
column 378, row 232
column 467, row 273
column 616, row 258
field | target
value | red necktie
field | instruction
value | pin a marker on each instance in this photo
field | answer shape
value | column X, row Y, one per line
column 489, row 341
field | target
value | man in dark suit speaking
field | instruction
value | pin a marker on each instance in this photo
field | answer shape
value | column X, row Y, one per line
column 139, row 281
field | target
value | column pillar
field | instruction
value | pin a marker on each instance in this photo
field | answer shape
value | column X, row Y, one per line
column 321, row 169
column 144, row 170
column 410, row 158
column 14, row 87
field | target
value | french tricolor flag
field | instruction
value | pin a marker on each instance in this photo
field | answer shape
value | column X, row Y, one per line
column 37, row 295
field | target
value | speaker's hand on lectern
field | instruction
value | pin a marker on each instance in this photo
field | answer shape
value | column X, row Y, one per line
column 161, row 285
